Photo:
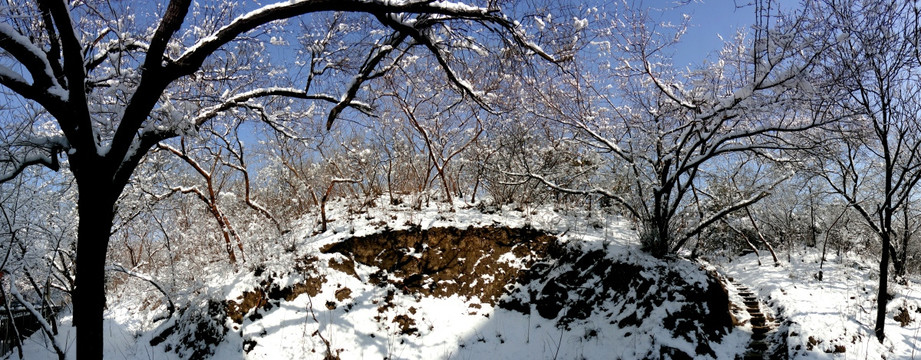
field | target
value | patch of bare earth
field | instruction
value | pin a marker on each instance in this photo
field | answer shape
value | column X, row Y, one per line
column 559, row 281
column 442, row 262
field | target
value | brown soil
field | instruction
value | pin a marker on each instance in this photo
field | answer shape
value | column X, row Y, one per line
column 442, row 262
column 903, row 317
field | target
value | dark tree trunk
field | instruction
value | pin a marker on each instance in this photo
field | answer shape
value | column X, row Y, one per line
column 883, row 296
column 96, row 209
column 664, row 236
column 657, row 237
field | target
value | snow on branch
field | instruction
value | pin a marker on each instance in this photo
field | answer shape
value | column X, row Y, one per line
column 606, row 143
column 196, row 54
column 46, row 327
column 170, row 307
column 414, row 30
column 13, row 80
column 118, row 47
column 240, row 100
column 19, row 165
column 29, row 55
column 376, row 56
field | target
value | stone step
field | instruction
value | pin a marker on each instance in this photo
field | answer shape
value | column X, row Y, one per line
column 757, row 321
column 753, row 355
column 759, row 337
column 759, row 345
column 760, row 329
column 752, row 304
column 753, row 310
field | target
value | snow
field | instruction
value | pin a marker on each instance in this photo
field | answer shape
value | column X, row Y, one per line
column 840, row 310
column 437, row 6
column 12, row 75
column 8, row 31
column 22, row 42
column 364, row 325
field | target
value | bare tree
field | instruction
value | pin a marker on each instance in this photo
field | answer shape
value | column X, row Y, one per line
column 209, row 196
column 446, row 126
column 662, row 127
column 112, row 89
column 877, row 165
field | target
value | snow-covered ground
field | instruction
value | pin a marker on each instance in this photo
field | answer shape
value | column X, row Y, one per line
column 353, row 317
column 838, row 314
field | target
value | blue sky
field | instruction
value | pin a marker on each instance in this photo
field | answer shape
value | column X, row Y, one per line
column 709, row 19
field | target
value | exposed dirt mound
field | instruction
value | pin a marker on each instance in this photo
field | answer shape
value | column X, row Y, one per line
column 474, row 262
column 520, row 269
column 525, row 269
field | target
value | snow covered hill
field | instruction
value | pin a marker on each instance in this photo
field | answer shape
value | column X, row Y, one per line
column 460, row 282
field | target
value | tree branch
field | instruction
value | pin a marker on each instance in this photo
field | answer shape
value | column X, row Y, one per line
column 595, row 191
column 50, row 162
column 27, row 54
column 170, row 307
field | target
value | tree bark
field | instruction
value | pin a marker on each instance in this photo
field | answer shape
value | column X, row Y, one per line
column 96, row 208
column 883, row 296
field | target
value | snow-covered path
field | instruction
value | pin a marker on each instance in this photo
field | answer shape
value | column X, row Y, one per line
column 833, row 318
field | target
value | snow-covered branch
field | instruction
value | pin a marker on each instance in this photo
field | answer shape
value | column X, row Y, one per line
column 46, row 327
column 240, row 100
column 36, row 158
column 704, row 223
column 415, row 31
column 117, row 47
column 170, row 307
column 27, row 54
column 193, row 57
column 377, row 55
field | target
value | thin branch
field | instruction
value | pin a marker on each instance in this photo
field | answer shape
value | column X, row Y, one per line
column 594, row 191
column 46, row 328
